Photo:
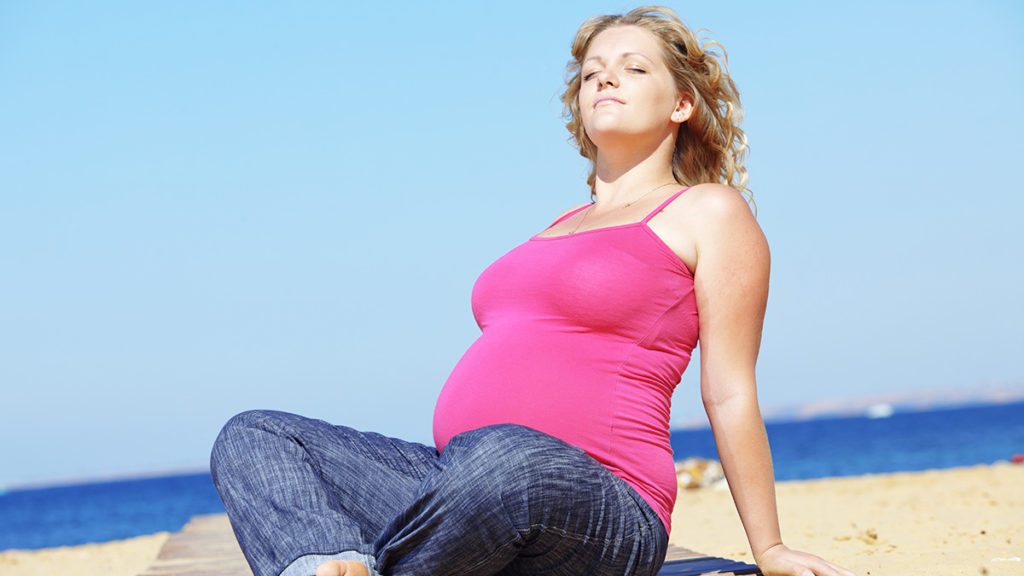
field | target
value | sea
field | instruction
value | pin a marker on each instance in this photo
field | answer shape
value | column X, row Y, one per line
column 101, row 511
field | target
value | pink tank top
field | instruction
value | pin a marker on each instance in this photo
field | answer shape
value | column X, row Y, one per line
column 584, row 337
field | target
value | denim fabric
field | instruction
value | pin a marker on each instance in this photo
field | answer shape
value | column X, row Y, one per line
column 502, row 499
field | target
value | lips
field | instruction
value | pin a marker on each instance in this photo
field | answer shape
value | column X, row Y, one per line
column 605, row 100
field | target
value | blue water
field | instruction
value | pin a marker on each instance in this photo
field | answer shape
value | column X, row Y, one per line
column 77, row 514
column 98, row 512
column 903, row 442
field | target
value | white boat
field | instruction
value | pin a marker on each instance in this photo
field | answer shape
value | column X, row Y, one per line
column 882, row 410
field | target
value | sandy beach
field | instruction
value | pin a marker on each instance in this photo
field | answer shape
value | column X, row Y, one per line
column 120, row 558
column 964, row 521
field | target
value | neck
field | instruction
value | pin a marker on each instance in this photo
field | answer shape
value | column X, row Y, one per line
column 625, row 172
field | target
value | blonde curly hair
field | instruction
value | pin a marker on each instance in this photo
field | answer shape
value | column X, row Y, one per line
column 710, row 146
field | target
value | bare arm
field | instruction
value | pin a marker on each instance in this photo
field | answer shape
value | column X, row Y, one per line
column 731, row 284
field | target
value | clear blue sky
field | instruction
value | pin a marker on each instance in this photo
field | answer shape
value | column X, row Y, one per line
column 211, row 207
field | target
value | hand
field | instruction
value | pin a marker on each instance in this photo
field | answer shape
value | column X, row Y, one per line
column 781, row 561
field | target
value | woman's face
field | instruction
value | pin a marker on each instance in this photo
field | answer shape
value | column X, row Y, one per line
column 626, row 89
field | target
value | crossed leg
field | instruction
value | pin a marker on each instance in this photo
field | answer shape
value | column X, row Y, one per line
column 306, row 496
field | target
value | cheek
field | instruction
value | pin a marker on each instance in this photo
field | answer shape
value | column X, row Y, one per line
column 584, row 108
column 669, row 97
column 583, row 97
column 587, row 120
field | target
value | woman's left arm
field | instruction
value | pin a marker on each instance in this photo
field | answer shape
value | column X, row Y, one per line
column 731, row 285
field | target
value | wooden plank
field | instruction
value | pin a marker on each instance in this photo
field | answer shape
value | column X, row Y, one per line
column 206, row 546
column 679, row 553
column 681, row 561
column 706, row 565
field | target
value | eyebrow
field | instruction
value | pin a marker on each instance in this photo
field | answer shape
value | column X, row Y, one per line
column 623, row 55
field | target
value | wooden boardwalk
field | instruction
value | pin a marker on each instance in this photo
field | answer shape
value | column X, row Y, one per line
column 207, row 547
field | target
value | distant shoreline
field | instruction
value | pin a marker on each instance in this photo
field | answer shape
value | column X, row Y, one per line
column 112, row 477
column 860, row 407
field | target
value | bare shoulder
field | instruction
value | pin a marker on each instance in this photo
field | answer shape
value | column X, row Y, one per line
column 712, row 211
column 707, row 216
column 714, row 204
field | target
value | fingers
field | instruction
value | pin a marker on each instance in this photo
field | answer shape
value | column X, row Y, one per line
column 822, row 567
column 782, row 561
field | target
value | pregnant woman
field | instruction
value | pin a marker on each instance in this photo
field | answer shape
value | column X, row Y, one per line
column 551, row 450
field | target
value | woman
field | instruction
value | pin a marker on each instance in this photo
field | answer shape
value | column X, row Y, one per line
column 552, row 431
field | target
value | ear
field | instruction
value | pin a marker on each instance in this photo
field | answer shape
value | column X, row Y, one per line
column 683, row 110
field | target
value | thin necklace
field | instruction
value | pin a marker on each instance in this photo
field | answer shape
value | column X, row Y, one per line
column 626, row 205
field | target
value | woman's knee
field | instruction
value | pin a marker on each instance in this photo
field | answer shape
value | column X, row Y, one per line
column 237, row 439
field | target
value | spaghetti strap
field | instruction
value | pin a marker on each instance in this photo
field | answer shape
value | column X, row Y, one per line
column 663, row 205
column 567, row 215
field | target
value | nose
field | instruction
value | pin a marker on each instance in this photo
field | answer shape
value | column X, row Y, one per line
column 607, row 78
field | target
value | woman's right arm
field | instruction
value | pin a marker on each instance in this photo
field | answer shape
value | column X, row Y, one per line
column 731, row 285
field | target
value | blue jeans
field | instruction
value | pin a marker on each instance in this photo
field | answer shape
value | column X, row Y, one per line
column 503, row 499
